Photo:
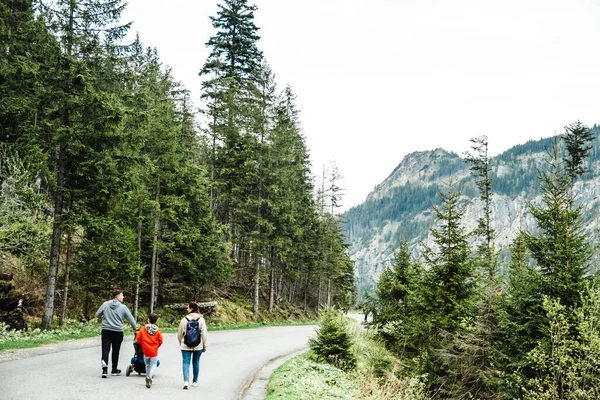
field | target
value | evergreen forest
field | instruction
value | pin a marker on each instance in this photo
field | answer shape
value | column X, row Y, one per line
column 110, row 178
column 472, row 330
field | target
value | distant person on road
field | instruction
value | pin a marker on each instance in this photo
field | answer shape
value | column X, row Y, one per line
column 150, row 338
column 374, row 314
column 112, row 313
column 366, row 312
column 192, row 341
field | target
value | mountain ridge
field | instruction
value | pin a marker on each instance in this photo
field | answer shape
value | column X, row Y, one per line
column 400, row 206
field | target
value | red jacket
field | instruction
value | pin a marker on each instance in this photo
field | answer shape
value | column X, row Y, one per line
column 150, row 342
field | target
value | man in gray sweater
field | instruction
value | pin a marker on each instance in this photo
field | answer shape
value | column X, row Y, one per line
column 113, row 313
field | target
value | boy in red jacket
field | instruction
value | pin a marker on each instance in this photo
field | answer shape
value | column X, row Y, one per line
column 150, row 338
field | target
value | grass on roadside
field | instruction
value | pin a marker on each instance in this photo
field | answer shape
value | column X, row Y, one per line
column 11, row 339
column 377, row 376
column 303, row 378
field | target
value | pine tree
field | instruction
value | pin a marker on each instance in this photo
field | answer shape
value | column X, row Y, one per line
column 235, row 109
column 560, row 250
column 577, row 137
column 451, row 276
column 480, row 168
column 440, row 300
column 399, row 290
column 521, row 318
column 231, row 73
column 290, row 209
column 333, row 342
column 560, row 253
column 234, row 53
column 394, row 285
column 260, row 232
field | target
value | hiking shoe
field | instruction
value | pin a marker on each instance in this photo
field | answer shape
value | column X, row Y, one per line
column 185, row 384
column 104, row 372
column 115, row 372
column 148, row 382
column 194, row 384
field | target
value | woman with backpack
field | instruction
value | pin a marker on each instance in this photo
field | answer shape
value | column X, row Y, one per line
column 192, row 341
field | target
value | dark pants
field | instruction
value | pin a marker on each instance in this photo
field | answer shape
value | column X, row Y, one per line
column 114, row 339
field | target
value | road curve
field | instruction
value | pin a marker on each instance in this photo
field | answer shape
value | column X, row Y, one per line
column 231, row 358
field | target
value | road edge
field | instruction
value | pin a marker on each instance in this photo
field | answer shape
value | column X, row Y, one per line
column 255, row 386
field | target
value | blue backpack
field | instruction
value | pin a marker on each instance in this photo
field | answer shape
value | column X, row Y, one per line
column 192, row 333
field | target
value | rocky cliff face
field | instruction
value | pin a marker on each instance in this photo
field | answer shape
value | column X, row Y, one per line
column 400, row 207
column 420, row 168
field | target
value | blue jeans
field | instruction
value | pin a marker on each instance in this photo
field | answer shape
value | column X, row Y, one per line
column 150, row 365
column 187, row 355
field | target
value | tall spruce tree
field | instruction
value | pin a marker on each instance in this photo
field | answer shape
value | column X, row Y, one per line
column 480, row 168
column 393, row 286
column 470, row 356
column 451, row 276
column 447, row 292
column 560, row 254
column 290, row 207
column 521, row 319
column 398, row 292
column 234, row 108
column 560, row 249
column 264, row 117
column 577, row 137
column 229, row 87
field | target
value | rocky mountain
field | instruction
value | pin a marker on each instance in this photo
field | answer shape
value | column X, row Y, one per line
column 401, row 206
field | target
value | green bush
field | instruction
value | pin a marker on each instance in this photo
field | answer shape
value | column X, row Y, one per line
column 381, row 363
column 333, row 343
column 566, row 364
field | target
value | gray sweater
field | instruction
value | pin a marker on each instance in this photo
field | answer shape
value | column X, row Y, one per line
column 112, row 313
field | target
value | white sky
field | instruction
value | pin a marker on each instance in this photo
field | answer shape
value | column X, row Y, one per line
column 378, row 79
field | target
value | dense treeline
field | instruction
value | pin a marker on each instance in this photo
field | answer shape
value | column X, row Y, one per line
column 472, row 333
column 107, row 179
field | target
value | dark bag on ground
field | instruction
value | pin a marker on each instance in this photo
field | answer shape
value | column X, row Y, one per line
column 192, row 333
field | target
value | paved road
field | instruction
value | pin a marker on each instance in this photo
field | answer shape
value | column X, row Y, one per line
column 231, row 358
